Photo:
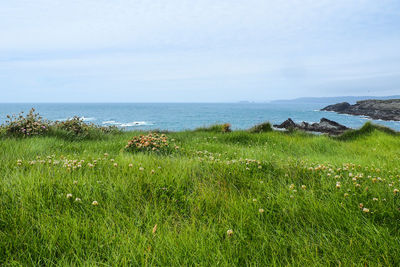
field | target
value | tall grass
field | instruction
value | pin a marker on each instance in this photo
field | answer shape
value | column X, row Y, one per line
column 289, row 199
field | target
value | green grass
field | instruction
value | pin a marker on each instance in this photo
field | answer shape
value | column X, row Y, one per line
column 213, row 183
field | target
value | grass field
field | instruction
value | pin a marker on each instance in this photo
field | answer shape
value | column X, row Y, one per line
column 235, row 198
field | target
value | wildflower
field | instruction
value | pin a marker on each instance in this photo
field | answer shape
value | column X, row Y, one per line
column 69, row 195
column 152, row 171
column 130, row 165
column 291, row 186
column 229, row 232
column 78, row 199
column 254, row 200
column 105, row 154
column 338, row 185
column 291, row 196
column 75, row 182
column 112, row 160
column 303, row 187
column 346, row 194
column 261, row 210
column 375, row 199
column 365, row 210
column 115, row 164
column 395, row 191
column 141, row 169
column 95, row 203
column 361, row 205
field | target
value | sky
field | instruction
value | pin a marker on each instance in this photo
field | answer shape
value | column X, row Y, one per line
column 197, row 51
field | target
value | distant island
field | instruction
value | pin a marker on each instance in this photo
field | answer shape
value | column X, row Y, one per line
column 388, row 110
column 329, row 100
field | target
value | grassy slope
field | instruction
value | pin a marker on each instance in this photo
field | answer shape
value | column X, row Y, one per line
column 194, row 198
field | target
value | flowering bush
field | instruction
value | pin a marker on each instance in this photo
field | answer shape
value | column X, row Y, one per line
column 77, row 127
column 30, row 125
column 148, row 143
column 33, row 124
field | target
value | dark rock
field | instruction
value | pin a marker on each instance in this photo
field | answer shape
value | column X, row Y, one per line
column 374, row 109
column 337, row 107
column 287, row 124
column 324, row 126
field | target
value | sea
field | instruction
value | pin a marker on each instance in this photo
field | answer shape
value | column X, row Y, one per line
column 186, row 116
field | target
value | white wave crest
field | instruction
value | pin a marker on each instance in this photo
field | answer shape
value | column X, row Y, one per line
column 87, row 119
column 127, row 124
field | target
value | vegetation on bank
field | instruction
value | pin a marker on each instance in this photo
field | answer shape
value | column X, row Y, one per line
column 226, row 198
column 32, row 124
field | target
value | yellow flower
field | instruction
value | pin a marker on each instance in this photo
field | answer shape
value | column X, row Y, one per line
column 303, row 187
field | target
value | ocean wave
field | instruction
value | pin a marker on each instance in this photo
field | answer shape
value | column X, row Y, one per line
column 127, row 124
column 87, row 119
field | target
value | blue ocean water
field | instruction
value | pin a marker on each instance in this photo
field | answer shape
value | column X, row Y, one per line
column 181, row 116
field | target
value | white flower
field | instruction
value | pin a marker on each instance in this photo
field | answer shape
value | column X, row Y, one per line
column 229, row 232
column 95, row 203
column 261, row 210
column 78, row 199
column 69, row 195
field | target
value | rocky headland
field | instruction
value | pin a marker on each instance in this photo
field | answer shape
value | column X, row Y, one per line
column 324, row 126
column 388, row 110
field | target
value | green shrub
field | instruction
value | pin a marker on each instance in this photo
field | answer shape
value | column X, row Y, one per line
column 261, row 128
column 25, row 126
column 366, row 129
column 76, row 128
column 217, row 128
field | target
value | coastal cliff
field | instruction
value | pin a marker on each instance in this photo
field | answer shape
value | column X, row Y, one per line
column 388, row 110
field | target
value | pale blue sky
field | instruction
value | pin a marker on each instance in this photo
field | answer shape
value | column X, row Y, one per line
column 197, row 51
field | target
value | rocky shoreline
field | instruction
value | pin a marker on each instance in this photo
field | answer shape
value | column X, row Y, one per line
column 388, row 110
column 324, row 126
